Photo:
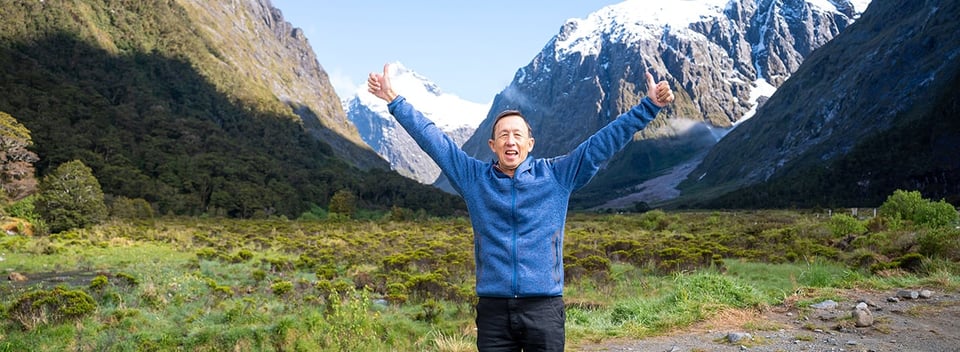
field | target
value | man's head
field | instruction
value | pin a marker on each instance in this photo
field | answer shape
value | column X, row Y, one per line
column 511, row 140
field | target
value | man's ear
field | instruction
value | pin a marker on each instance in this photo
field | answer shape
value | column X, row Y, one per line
column 490, row 143
column 531, row 145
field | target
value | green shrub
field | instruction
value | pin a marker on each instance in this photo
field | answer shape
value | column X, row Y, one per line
column 281, row 287
column 258, row 275
column 126, row 208
column 98, row 283
column 842, row 225
column 598, row 267
column 315, row 213
column 430, row 312
column 242, row 256
column 912, row 262
column 943, row 243
column 903, row 206
column 41, row 307
column 127, row 280
column 207, row 253
column 427, row 285
column 396, row 293
column 327, row 272
column 26, row 209
column 654, row 220
column 222, row 291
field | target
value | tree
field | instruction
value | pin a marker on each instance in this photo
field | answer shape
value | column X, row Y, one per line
column 344, row 203
column 70, row 197
column 16, row 162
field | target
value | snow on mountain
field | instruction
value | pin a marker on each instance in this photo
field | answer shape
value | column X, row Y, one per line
column 724, row 58
column 446, row 110
column 634, row 21
column 457, row 117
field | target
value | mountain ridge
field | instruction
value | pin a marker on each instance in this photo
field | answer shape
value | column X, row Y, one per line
column 138, row 93
column 851, row 100
column 717, row 78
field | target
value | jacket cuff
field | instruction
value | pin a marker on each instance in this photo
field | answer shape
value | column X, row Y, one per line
column 395, row 103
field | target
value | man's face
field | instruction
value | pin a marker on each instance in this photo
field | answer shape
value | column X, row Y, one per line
column 512, row 142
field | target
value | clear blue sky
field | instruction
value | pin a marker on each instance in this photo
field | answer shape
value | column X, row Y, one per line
column 468, row 48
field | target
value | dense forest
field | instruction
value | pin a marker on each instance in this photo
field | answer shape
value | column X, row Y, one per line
column 132, row 91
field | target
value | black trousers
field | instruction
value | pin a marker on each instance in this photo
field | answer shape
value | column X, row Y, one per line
column 520, row 324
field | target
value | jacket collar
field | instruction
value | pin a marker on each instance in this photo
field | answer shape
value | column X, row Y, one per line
column 525, row 166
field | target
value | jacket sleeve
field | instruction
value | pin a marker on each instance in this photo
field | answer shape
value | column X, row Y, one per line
column 575, row 169
column 452, row 160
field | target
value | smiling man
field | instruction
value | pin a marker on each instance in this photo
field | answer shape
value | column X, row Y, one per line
column 518, row 209
column 510, row 140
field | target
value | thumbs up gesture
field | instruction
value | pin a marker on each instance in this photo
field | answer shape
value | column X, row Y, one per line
column 660, row 92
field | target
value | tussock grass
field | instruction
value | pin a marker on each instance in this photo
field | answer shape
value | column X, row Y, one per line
column 269, row 285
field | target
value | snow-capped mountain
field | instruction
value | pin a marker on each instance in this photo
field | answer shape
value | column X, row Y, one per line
column 455, row 116
column 722, row 57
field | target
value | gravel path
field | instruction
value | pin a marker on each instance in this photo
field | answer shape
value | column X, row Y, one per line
column 922, row 324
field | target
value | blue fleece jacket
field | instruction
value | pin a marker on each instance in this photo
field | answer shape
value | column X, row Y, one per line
column 518, row 221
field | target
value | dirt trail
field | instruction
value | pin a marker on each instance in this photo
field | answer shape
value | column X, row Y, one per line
column 931, row 324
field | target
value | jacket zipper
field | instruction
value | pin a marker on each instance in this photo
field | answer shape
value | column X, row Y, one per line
column 516, row 254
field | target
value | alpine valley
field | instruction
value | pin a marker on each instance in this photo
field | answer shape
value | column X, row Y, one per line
column 780, row 103
column 221, row 107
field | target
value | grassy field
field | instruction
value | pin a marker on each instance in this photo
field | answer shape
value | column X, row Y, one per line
column 347, row 285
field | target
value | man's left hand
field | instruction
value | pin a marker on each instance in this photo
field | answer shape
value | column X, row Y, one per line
column 659, row 93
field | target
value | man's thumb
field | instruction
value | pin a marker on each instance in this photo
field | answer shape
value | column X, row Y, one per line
column 386, row 70
column 650, row 82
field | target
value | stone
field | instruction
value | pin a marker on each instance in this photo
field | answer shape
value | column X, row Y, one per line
column 16, row 277
column 828, row 304
column 908, row 294
column 862, row 317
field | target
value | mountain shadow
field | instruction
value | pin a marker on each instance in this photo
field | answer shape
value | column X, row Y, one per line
column 151, row 127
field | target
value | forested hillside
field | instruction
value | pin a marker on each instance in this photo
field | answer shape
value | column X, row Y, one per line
column 132, row 89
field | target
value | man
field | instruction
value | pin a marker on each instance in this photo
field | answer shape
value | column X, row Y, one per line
column 518, row 208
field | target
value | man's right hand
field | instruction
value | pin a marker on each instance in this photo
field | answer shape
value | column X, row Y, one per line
column 379, row 85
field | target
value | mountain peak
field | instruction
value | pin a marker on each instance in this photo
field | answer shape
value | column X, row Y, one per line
column 458, row 118
column 447, row 110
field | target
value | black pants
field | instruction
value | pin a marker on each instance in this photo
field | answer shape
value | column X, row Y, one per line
column 520, row 324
